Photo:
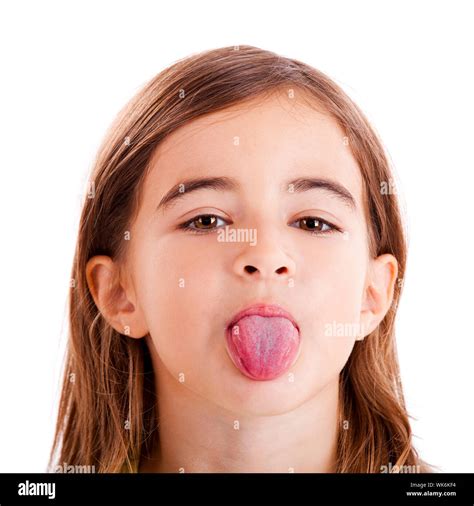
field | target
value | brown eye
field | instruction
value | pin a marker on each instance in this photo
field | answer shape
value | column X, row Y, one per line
column 201, row 224
column 205, row 221
column 316, row 225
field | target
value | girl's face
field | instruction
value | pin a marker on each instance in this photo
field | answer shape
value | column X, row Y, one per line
column 185, row 286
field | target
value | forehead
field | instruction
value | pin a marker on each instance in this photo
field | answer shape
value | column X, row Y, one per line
column 262, row 140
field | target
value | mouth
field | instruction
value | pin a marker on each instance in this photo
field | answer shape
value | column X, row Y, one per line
column 263, row 341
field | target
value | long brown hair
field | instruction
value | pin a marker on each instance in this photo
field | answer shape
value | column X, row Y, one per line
column 107, row 413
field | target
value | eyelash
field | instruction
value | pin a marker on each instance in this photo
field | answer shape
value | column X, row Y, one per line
column 185, row 226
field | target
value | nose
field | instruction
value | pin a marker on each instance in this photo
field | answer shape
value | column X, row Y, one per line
column 265, row 260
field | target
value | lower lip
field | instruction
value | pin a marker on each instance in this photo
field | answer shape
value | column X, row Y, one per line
column 272, row 371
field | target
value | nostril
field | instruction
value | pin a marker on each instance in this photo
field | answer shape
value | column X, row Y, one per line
column 250, row 268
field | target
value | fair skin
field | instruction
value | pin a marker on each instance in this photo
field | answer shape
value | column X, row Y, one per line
column 178, row 289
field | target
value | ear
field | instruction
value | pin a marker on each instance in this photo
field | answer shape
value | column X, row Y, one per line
column 115, row 299
column 378, row 296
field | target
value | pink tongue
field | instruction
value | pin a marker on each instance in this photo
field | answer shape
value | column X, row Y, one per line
column 263, row 347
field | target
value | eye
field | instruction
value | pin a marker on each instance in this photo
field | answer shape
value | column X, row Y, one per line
column 317, row 225
column 204, row 223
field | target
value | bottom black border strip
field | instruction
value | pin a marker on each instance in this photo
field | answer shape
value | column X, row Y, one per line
column 237, row 489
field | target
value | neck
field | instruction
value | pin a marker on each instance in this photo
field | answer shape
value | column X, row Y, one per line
column 195, row 435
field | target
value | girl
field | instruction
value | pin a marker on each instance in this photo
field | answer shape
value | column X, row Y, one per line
column 236, row 280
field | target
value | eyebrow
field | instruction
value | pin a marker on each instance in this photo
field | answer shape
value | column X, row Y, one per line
column 229, row 184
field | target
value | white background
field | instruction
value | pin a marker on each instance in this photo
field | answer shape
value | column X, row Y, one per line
column 68, row 67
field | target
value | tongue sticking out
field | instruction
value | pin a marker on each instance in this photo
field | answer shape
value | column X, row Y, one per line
column 263, row 347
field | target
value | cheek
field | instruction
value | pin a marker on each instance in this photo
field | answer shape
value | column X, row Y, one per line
column 337, row 273
column 336, row 278
column 170, row 281
column 172, row 276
